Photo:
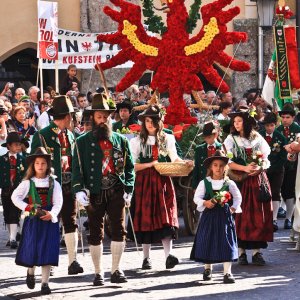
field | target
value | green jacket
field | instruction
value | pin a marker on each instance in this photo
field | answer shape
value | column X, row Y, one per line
column 52, row 145
column 91, row 157
column 199, row 172
column 294, row 129
column 119, row 124
column 5, row 170
column 278, row 155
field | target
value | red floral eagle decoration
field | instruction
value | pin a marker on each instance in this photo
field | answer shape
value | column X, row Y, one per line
column 175, row 58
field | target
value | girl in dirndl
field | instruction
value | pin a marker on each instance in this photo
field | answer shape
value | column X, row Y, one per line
column 154, row 203
column 218, row 198
column 39, row 245
column 250, row 151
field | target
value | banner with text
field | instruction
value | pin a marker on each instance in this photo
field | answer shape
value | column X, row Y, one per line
column 83, row 50
column 48, row 30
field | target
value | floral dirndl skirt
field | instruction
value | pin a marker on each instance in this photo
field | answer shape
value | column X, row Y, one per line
column 155, row 208
column 39, row 245
column 215, row 240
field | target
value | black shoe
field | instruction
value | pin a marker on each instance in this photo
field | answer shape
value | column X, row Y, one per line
column 7, row 244
column 18, row 237
column 75, row 268
column 207, row 275
column 62, row 242
column 147, row 265
column 275, row 226
column 98, row 280
column 45, row 290
column 30, row 281
column 287, row 224
column 243, row 260
column 13, row 244
column 171, row 261
column 258, row 260
column 118, row 277
column 281, row 213
column 228, row 278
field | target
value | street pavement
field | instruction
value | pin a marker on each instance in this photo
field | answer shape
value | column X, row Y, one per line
column 279, row 279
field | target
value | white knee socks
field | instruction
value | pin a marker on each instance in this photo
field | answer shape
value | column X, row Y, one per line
column 276, row 205
column 227, row 267
column 117, row 249
column 96, row 253
column 45, row 274
column 13, row 231
column 71, row 240
column 290, row 205
column 146, row 250
column 167, row 244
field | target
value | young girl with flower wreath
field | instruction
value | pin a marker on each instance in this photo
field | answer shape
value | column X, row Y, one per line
column 39, row 245
column 218, row 198
column 154, row 205
column 249, row 154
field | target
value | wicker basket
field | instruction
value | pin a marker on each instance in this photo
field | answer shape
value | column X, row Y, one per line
column 175, row 169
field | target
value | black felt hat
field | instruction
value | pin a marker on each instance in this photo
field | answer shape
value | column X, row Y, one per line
column 100, row 102
column 15, row 137
column 153, row 111
column 39, row 152
column 209, row 129
column 288, row 109
column 125, row 104
column 219, row 155
column 243, row 112
column 61, row 105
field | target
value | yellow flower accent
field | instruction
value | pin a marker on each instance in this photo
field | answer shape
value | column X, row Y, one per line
column 129, row 31
column 211, row 30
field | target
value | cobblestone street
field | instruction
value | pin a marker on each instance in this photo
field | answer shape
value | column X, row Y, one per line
column 279, row 279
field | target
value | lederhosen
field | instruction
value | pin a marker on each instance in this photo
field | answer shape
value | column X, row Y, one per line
column 109, row 201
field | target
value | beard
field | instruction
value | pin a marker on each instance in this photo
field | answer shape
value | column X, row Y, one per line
column 102, row 131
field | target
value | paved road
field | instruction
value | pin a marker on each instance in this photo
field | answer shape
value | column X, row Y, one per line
column 279, row 279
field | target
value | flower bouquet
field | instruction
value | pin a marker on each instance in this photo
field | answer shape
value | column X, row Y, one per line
column 35, row 211
column 221, row 198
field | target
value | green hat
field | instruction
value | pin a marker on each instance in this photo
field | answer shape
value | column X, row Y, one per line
column 24, row 98
column 100, row 102
column 61, row 105
column 288, row 109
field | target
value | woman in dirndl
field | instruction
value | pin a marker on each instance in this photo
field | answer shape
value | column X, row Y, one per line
column 154, row 204
column 249, row 152
column 218, row 198
column 39, row 195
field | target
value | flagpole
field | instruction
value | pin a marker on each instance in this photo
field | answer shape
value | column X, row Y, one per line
column 56, row 77
column 41, row 77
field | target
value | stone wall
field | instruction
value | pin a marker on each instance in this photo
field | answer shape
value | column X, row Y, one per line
column 94, row 20
column 240, row 82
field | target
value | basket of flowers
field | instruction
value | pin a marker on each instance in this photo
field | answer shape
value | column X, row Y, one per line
column 173, row 169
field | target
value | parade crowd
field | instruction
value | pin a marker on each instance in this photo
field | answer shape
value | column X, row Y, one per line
column 72, row 151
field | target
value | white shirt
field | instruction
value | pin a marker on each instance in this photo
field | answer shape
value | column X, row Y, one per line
column 259, row 144
column 217, row 185
column 21, row 192
column 44, row 120
column 135, row 145
column 222, row 117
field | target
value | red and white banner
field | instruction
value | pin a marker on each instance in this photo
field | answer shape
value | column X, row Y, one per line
column 48, row 30
column 83, row 50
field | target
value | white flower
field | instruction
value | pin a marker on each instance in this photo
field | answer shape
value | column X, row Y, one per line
column 223, row 193
column 223, row 199
column 24, row 215
column 254, row 156
column 258, row 152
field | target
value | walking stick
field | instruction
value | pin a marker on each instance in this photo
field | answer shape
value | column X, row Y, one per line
column 134, row 236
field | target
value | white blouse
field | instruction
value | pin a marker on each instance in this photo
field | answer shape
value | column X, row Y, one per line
column 21, row 192
column 259, row 143
column 217, row 185
column 135, row 146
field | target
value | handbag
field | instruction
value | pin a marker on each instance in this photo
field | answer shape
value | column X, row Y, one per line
column 235, row 175
column 264, row 193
